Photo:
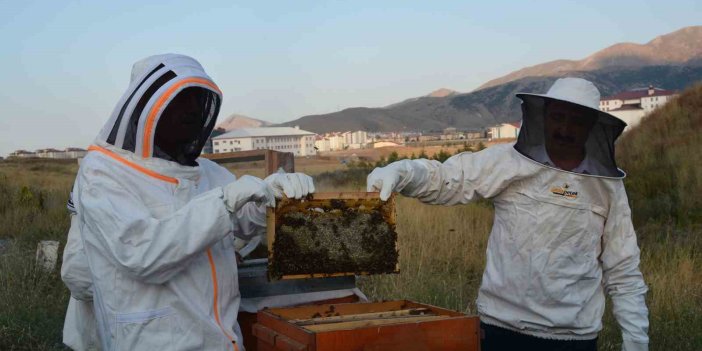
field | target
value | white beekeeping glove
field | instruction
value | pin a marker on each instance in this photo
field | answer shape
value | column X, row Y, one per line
column 396, row 177
column 247, row 189
column 292, row 185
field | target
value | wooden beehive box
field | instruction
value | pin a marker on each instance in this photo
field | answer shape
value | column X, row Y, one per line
column 387, row 326
column 332, row 234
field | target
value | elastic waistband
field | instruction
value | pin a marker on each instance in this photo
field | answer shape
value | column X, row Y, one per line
column 537, row 333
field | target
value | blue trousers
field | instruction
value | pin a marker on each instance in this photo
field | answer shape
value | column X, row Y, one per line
column 500, row 339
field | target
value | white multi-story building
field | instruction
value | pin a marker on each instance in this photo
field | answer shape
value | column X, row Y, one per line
column 23, row 154
column 71, row 152
column 329, row 142
column 341, row 141
column 630, row 106
column 322, row 144
column 51, row 153
column 75, row 152
column 356, row 140
column 284, row 139
column 336, row 142
column 505, row 130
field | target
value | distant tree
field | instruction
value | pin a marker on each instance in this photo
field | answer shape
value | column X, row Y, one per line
column 413, row 156
column 393, row 157
column 423, row 154
column 466, row 148
column 364, row 165
column 381, row 162
column 441, row 156
column 360, row 164
column 481, row 146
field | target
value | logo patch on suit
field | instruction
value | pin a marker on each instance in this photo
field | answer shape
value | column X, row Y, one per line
column 564, row 191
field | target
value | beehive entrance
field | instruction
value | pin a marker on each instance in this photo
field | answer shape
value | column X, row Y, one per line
column 332, row 234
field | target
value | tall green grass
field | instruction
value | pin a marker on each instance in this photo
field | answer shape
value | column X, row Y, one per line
column 663, row 157
column 442, row 255
column 33, row 198
column 664, row 160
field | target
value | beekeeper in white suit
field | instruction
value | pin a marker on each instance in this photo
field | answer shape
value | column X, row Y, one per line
column 562, row 236
column 156, row 224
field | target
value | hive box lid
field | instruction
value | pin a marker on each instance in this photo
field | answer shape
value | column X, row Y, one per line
column 387, row 326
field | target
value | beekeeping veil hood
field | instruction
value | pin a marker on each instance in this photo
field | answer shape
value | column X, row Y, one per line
column 155, row 82
column 599, row 147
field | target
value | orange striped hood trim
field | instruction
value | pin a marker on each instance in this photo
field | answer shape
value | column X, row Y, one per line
column 154, row 82
column 133, row 165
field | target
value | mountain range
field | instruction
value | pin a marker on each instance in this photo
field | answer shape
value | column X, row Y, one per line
column 672, row 61
column 669, row 49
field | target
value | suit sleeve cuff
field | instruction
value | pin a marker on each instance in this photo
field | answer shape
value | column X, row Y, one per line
column 630, row 345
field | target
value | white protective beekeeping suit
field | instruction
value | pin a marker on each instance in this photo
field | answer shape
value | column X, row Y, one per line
column 149, row 258
column 80, row 326
column 560, row 240
column 157, row 236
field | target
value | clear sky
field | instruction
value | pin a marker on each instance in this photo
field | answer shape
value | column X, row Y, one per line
column 65, row 63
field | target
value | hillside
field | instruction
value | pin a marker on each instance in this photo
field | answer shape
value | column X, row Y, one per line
column 674, row 48
column 663, row 159
column 492, row 105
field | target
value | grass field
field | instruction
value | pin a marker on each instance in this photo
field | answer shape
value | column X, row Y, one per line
column 442, row 249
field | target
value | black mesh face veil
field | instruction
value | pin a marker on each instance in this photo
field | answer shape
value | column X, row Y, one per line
column 185, row 152
column 599, row 147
